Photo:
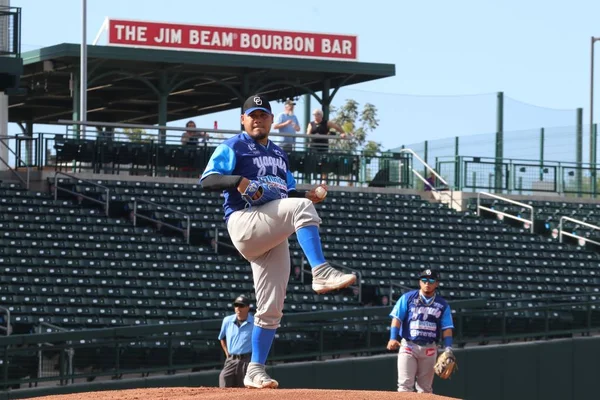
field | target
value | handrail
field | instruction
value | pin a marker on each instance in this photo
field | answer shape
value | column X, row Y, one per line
column 8, row 328
column 183, row 129
column 56, row 189
column 561, row 233
column 394, row 284
column 18, row 160
column 136, row 215
column 494, row 196
column 433, row 171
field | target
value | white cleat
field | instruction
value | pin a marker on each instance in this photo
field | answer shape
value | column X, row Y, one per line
column 326, row 279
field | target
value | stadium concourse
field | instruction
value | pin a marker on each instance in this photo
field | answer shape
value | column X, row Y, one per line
column 227, row 394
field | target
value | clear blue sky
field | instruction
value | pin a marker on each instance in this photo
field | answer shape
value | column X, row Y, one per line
column 535, row 51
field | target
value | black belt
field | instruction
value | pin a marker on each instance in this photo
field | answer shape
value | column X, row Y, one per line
column 239, row 356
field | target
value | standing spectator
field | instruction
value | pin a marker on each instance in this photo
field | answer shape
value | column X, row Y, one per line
column 286, row 122
column 322, row 126
column 236, row 341
column 420, row 319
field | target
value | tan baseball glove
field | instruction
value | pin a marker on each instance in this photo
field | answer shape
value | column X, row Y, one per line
column 446, row 364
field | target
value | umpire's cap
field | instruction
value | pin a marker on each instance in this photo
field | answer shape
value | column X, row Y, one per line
column 241, row 301
column 256, row 102
column 429, row 273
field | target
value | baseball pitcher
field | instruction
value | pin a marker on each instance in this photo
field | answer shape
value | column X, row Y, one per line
column 262, row 209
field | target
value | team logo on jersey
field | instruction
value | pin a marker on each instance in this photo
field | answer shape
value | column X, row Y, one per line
column 277, row 153
column 257, row 101
column 262, row 163
column 252, row 146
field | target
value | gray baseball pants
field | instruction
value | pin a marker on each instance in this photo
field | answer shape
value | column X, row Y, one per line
column 233, row 372
column 416, row 362
column 261, row 235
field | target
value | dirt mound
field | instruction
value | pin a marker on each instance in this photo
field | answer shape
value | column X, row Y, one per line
column 204, row 393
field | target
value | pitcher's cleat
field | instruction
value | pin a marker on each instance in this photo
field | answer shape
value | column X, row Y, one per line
column 257, row 378
column 326, row 278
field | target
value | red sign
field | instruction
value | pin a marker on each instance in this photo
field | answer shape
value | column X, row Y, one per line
column 231, row 40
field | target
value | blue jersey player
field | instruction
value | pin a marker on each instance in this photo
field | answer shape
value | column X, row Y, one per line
column 420, row 319
column 260, row 232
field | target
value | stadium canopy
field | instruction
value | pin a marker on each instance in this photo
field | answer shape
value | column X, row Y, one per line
column 154, row 86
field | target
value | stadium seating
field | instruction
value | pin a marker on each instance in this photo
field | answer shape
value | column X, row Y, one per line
column 70, row 265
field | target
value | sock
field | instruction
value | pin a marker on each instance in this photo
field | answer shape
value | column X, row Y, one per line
column 262, row 339
column 310, row 241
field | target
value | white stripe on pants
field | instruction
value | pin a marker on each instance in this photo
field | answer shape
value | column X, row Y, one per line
column 261, row 235
column 416, row 361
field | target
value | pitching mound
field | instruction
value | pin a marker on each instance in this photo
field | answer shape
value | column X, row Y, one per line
column 246, row 394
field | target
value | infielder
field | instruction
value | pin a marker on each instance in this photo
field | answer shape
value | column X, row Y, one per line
column 262, row 209
column 419, row 318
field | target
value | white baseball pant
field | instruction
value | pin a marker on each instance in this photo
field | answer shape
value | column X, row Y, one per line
column 261, row 235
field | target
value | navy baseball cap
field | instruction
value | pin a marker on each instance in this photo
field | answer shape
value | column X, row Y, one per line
column 241, row 300
column 429, row 273
column 256, row 102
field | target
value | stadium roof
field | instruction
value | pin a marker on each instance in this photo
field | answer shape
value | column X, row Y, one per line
column 134, row 85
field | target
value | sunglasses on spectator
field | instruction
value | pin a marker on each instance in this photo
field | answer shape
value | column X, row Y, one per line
column 428, row 280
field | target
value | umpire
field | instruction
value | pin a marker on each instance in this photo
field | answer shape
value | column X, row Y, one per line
column 236, row 341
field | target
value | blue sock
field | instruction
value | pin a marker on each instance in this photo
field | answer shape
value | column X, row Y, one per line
column 310, row 241
column 262, row 339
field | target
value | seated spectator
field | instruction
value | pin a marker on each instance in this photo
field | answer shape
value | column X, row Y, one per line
column 191, row 138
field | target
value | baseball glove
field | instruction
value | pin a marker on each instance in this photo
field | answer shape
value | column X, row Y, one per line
column 446, row 364
column 258, row 193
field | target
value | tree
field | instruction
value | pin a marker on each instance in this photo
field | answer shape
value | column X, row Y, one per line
column 137, row 135
column 359, row 123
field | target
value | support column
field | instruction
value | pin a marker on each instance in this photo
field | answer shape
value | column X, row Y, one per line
column 542, row 138
column 325, row 98
column 499, row 141
column 456, row 164
column 307, row 113
column 75, row 91
column 579, row 151
column 163, row 100
column 29, row 146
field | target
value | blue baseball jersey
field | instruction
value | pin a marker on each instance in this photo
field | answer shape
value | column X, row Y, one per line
column 242, row 155
column 238, row 338
column 420, row 322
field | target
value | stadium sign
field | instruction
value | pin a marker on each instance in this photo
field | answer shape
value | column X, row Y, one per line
column 220, row 39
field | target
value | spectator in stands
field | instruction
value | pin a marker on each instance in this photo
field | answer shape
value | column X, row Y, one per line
column 236, row 341
column 297, row 274
column 191, row 138
column 286, row 122
column 322, row 126
column 385, row 301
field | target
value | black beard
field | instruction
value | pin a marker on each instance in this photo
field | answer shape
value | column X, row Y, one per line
column 260, row 136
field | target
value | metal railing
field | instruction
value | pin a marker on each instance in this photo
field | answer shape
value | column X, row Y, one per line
column 434, row 172
column 8, row 328
column 69, row 351
column 397, row 285
column 561, row 231
column 311, row 335
column 503, row 214
column 78, row 179
column 18, row 162
column 136, row 215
